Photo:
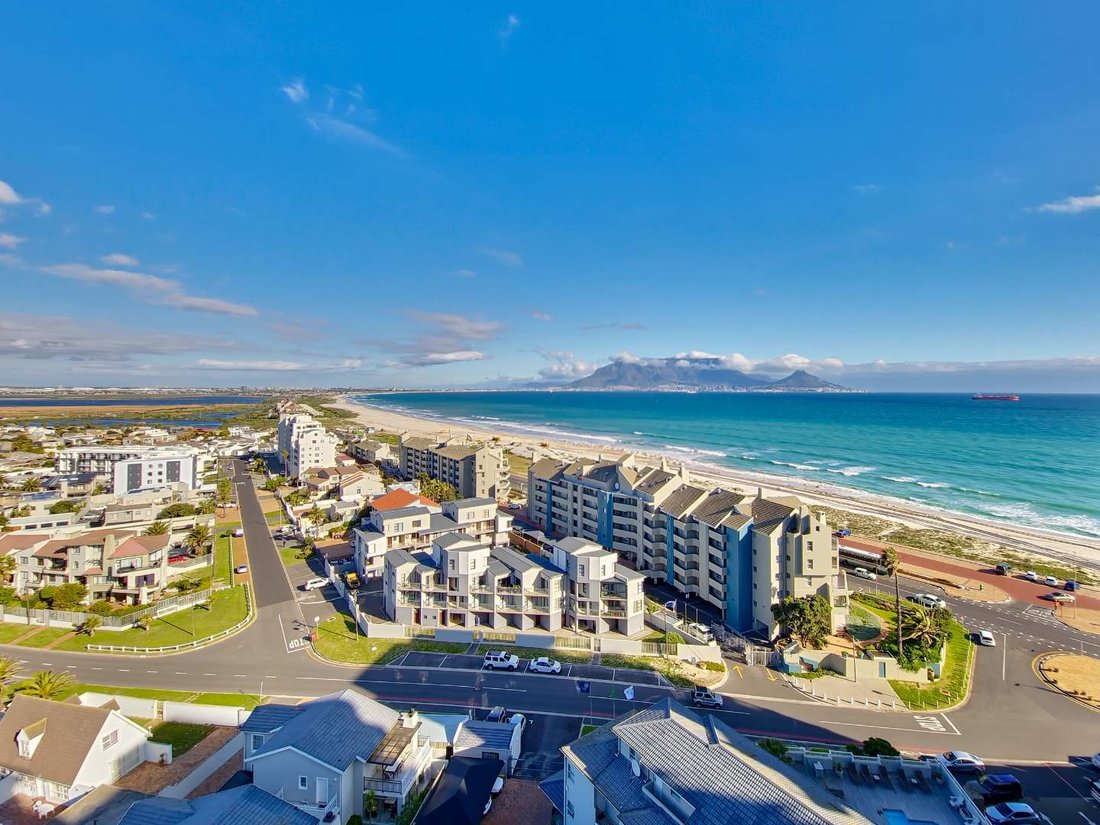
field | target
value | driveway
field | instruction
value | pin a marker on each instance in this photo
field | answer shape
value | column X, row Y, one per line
column 462, row 661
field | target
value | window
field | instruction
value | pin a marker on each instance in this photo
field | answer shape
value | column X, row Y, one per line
column 303, row 783
column 810, row 564
column 569, row 808
column 569, row 770
column 110, row 739
column 257, row 741
column 25, row 748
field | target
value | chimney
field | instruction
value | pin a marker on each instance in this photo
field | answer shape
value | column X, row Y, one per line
column 759, row 492
column 410, row 719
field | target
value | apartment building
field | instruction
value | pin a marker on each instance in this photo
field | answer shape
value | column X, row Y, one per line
column 304, row 444
column 602, row 596
column 474, row 470
column 112, row 564
column 134, row 468
column 668, row 764
column 739, row 553
column 415, row 527
column 461, row 582
column 369, row 451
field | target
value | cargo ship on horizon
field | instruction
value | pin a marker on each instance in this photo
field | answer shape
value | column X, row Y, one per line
column 986, row 396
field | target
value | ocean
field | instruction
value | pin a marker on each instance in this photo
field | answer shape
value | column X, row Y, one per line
column 1035, row 462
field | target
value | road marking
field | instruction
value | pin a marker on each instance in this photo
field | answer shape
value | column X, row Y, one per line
column 210, row 674
column 181, row 673
column 738, row 669
column 150, row 671
column 399, row 684
column 954, row 727
column 1082, row 815
column 771, row 676
column 97, row 668
column 240, row 675
column 1004, row 657
column 882, row 727
column 930, row 723
column 124, row 670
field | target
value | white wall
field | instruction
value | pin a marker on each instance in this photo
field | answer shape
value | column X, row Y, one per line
column 127, row 705
column 229, row 717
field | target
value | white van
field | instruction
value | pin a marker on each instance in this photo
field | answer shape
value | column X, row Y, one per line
column 864, row 573
column 700, row 631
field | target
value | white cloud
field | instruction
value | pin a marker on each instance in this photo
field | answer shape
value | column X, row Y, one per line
column 296, row 90
column 505, row 256
column 1073, row 205
column 429, row 359
column 148, row 216
column 119, row 259
column 539, row 315
column 105, row 209
column 458, row 326
column 737, row 361
column 150, row 288
column 9, row 241
column 9, row 197
column 565, row 366
column 866, row 188
column 465, row 273
column 510, row 26
column 345, row 130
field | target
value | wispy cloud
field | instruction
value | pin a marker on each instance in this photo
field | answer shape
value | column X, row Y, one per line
column 222, row 365
column 296, row 90
column 629, row 325
column 9, row 241
column 867, row 188
column 564, row 366
column 539, row 315
column 149, row 288
column 119, row 259
column 458, row 326
column 148, row 216
column 465, row 273
column 447, row 338
column 505, row 256
column 432, row 359
column 9, row 197
column 105, row 209
column 346, row 130
column 1073, row 205
column 509, row 28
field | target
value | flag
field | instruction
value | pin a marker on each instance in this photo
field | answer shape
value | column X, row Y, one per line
column 584, row 687
column 671, row 605
column 629, row 692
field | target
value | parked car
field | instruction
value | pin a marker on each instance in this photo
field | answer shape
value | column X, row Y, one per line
column 962, row 762
column 239, row 532
column 352, row 581
column 496, row 714
column 986, row 637
column 700, row 631
column 544, row 664
column 1051, row 581
column 1004, row 569
column 1061, row 597
column 1031, row 576
column 498, row 786
column 519, row 720
column 864, row 573
column 842, row 533
column 1000, row 787
column 1072, row 585
column 928, row 600
column 314, row 583
column 1015, row 812
column 241, row 568
column 704, row 697
column 500, row 660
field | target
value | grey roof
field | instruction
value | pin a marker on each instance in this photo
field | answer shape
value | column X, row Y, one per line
column 452, row 539
column 457, row 452
column 767, row 514
column 475, row 502
column 627, row 573
column 336, row 729
column 266, row 718
column 516, row 561
column 478, row 734
column 404, row 512
column 105, row 805
column 554, row 788
column 417, row 443
column 682, row 499
column 496, row 567
column 245, row 805
column 547, row 469
column 439, row 523
column 717, row 506
column 545, row 564
column 654, row 480
column 722, row 774
column 572, row 544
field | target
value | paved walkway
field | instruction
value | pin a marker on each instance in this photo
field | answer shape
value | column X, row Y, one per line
column 872, row 693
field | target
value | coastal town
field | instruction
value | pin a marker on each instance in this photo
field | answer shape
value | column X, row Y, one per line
column 306, row 613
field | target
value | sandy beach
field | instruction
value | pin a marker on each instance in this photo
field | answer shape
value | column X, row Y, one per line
column 1062, row 547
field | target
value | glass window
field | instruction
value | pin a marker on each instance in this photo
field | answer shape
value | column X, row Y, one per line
column 303, row 783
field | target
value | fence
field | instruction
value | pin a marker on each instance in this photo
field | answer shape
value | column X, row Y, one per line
column 73, row 618
column 185, row 645
column 129, row 705
column 225, row 716
column 206, row 769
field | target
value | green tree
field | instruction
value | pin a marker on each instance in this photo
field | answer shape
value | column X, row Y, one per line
column 890, row 563
column 9, row 668
column 67, row 505
column 775, row 747
column 90, row 625
column 876, row 746
column 271, row 485
column 197, row 538
column 807, row 617
column 178, row 510
column 207, row 507
column 47, row 684
column 224, row 492
column 316, row 515
column 297, row 498
column 157, row 528
column 99, row 489
column 370, row 805
column 7, row 568
column 69, row 596
column 31, row 485
column 436, row 490
column 21, row 511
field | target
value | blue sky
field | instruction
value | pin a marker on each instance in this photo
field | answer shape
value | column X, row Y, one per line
column 445, row 194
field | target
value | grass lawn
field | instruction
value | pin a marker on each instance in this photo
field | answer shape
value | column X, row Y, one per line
column 666, row 667
column 240, row 700
column 563, row 656
column 517, row 464
column 336, row 640
column 289, row 555
column 862, row 623
column 274, row 517
column 586, row 729
column 221, row 558
column 182, row 736
column 952, row 686
column 12, row 630
column 227, row 608
column 44, row 636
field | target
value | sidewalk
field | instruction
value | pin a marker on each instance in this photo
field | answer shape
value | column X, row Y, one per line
column 872, row 693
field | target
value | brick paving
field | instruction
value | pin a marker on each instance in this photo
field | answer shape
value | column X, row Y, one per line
column 152, row 779
column 520, row 801
column 219, row 777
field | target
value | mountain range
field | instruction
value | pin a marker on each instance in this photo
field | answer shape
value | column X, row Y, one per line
column 672, row 373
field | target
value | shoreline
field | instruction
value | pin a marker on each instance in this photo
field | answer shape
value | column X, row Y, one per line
column 1061, row 547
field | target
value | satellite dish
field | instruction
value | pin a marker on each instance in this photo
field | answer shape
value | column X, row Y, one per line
column 635, row 768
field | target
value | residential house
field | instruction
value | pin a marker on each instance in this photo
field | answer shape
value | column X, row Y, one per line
column 324, row 755
column 480, row 739
column 740, row 553
column 666, row 765
column 60, row 751
column 399, row 497
column 413, row 528
column 369, row 451
column 461, row 794
column 244, row 804
column 474, row 470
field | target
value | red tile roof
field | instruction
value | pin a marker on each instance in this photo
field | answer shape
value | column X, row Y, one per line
column 399, row 498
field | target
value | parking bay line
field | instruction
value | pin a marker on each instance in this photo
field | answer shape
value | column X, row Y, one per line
column 399, row 684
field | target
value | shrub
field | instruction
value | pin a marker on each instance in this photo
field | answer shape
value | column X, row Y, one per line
column 8, row 596
column 100, row 608
column 69, row 597
column 775, row 748
column 717, row 667
column 177, row 510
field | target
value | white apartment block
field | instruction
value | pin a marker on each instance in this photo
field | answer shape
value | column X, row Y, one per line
column 134, row 468
column 740, row 553
column 474, row 470
column 414, row 529
column 463, row 583
column 602, row 596
column 304, row 444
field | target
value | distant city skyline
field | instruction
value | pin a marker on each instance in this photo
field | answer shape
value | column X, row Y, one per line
column 892, row 199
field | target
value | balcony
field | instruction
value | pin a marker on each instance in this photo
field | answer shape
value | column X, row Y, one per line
column 398, row 784
column 316, row 809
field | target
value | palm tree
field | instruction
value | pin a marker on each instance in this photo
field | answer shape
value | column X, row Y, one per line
column 316, row 515
column 890, row 562
column 47, row 684
column 157, row 528
column 197, row 539
column 90, row 625
column 8, row 669
column 31, row 485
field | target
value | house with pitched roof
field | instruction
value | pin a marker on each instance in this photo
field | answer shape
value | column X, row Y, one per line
column 60, row 751
column 244, row 804
column 667, row 765
column 323, row 756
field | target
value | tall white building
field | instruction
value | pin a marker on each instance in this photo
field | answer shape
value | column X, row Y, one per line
column 305, row 444
column 134, row 468
column 740, row 553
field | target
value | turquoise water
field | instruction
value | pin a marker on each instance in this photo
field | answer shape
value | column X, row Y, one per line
column 1035, row 462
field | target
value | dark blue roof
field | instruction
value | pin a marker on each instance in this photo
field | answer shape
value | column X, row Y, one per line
column 459, row 795
column 267, row 718
column 246, row 805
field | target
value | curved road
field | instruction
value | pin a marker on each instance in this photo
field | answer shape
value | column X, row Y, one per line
column 1012, row 717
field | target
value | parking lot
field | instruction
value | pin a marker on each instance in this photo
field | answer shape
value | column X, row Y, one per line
column 460, row 661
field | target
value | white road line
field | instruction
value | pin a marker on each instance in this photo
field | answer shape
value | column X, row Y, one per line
column 97, row 668
column 883, row 727
column 952, row 724
column 181, row 673
column 210, row 674
column 1004, row 657
column 150, row 671
column 240, row 675
column 406, row 684
column 124, row 670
